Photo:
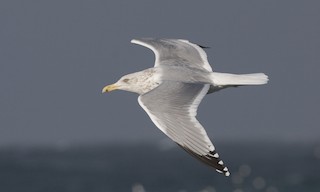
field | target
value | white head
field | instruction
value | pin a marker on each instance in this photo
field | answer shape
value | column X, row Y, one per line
column 131, row 82
column 126, row 83
column 139, row 82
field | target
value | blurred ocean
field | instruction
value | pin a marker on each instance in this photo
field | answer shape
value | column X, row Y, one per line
column 144, row 167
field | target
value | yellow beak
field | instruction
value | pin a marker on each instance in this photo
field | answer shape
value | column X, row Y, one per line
column 109, row 88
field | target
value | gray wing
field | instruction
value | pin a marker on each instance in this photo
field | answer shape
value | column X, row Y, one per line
column 172, row 107
column 176, row 52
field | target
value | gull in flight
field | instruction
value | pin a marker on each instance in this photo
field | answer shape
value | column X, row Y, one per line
column 171, row 91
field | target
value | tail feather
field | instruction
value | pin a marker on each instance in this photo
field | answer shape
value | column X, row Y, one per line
column 223, row 79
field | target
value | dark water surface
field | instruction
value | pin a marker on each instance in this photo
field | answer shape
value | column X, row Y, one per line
column 147, row 167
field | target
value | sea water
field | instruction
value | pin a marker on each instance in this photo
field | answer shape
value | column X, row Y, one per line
column 146, row 167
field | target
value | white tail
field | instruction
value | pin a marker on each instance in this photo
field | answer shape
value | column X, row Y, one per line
column 221, row 79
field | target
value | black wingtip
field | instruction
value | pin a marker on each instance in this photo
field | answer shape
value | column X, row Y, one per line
column 212, row 159
column 203, row 47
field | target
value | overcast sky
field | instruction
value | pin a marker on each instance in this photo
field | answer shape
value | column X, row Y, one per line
column 55, row 57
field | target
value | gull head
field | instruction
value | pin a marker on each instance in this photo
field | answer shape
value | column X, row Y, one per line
column 124, row 83
column 139, row 82
column 134, row 82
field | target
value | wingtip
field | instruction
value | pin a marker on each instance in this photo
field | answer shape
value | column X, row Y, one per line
column 224, row 171
column 133, row 41
column 141, row 40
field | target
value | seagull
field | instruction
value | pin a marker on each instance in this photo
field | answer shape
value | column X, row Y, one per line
column 171, row 91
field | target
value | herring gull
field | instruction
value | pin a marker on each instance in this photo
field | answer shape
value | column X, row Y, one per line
column 171, row 91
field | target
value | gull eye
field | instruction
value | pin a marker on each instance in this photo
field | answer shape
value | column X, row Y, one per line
column 125, row 80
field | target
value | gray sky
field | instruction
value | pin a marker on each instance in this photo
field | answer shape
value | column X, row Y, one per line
column 55, row 56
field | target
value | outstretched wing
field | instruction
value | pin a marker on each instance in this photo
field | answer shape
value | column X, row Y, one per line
column 176, row 52
column 172, row 107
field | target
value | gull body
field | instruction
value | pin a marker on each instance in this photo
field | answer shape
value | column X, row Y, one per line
column 171, row 91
